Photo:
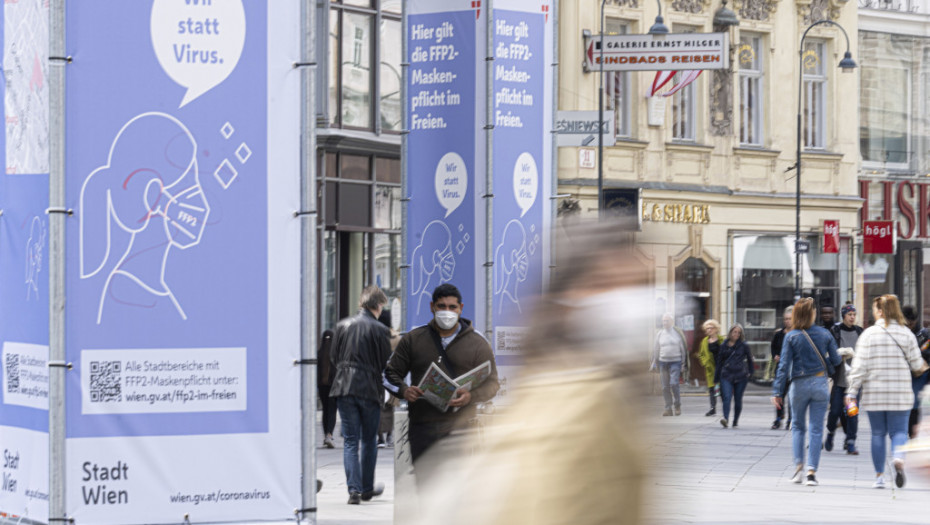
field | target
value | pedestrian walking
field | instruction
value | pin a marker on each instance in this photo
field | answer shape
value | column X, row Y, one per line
column 707, row 354
column 736, row 367
column 670, row 358
column 919, row 382
column 808, row 357
column 450, row 341
column 571, row 446
column 846, row 333
column 361, row 349
column 886, row 354
column 324, row 380
column 778, row 339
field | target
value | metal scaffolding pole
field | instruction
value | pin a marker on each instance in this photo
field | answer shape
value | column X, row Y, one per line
column 56, row 263
column 308, row 282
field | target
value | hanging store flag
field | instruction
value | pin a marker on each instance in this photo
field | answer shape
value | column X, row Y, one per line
column 686, row 78
column 662, row 78
column 831, row 236
column 878, row 237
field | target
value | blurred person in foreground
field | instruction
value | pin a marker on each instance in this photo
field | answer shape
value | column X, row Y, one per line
column 670, row 358
column 808, row 357
column 778, row 339
column 707, row 353
column 571, row 448
column 450, row 341
column 361, row 348
column 923, row 342
column 846, row 334
column 886, row 353
column 736, row 368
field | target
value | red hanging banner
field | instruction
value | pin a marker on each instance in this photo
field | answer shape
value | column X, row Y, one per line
column 831, row 236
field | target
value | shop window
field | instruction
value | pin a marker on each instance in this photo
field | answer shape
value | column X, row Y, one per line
column 764, row 282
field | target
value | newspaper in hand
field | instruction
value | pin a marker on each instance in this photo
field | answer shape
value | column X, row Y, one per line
column 438, row 388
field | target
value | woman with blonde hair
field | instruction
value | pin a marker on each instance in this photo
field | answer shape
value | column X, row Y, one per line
column 886, row 354
column 707, row 354
column 808, row 356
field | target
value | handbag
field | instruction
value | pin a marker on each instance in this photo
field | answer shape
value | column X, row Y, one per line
column 923, row 364
column 830, row 370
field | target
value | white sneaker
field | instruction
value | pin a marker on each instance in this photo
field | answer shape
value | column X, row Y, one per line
column 811, row 481
column 879, row 483
column 798, row 475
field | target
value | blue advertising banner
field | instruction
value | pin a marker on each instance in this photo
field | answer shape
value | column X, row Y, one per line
column 522, row 120
column 24, row 294
column 444, row 175
column 167, row 258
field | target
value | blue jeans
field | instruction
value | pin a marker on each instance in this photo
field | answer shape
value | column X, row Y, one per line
column 360, row 419
column 732, row 390
column 887, row 423
column 838, row 413
column 670, row 374
column 808, row 396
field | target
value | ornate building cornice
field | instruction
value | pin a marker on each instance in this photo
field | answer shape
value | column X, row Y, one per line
column 623, row 3
column 690, row 6
column 816, row 10
column 756, row 9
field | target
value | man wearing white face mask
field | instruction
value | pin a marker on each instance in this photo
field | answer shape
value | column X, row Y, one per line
column 452, row 343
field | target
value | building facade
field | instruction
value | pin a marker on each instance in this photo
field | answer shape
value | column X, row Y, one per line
column 894, row 108
column 711, row 167
column 359, row 121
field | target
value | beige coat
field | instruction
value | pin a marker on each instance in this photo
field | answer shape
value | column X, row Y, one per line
column 567, row 451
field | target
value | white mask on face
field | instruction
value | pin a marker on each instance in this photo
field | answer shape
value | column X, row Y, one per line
column 445, row 319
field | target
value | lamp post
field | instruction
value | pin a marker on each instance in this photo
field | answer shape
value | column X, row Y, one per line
column 658, row 29
column 847, row 65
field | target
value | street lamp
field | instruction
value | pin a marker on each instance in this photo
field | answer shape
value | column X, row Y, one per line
column 847, row 65
column 658, row 30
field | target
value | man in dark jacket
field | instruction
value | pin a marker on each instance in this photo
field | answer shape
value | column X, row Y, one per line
column 452, row 343
column 324, row 379
column 846, row 334
column 361, row 348
column 777, row 341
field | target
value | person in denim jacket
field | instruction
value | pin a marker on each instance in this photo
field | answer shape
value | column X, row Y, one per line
column 808, row 368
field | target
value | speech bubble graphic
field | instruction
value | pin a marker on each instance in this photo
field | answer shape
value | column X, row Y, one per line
column 451, row 181
column 197, row 42
column 525, row 182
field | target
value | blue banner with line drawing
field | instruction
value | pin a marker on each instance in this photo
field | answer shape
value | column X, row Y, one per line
column 24, row 290
column 522, row 120
column 444, row 173
column 168, row 278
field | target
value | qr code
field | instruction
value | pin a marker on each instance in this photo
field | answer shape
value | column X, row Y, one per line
column 12, row 373
column 105, row 382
